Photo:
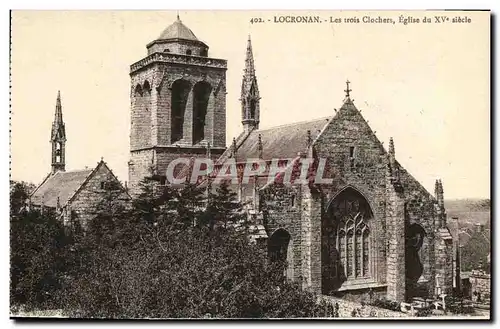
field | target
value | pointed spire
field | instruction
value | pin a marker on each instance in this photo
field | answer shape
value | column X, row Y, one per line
column 234, row 147
column 58, row 138
column 249, row 63
column 58, row 115
column 392, row 151
column 439, row 193
column 250, row 99
column 209, row 153
column 309, row 138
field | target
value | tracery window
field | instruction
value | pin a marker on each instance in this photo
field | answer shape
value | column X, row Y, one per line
column 353, row 238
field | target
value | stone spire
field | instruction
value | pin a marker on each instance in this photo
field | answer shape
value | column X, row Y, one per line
column 439, row 194
column 250, row 99
column 392, row 161
column 392, row 151
column 58, row 138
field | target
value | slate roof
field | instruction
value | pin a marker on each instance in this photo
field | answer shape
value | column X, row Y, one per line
column 177, row 30
column 281, row 142
column 62, row 185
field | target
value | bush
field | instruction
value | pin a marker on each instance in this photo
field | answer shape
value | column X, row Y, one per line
column 387, row 304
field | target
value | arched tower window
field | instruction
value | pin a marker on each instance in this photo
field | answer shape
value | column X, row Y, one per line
column 58, row 152
column 146, row 90
column 252, row 109
column 346, row 240
column 188, row 52
column 138, row 91
column 180, row 91
column 201, row 95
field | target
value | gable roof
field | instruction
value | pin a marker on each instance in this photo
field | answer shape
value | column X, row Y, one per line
column 62, row 185
column 65, row 185
column 283, row 142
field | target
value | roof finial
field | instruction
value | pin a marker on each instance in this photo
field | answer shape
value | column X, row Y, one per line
column 392, row 151
column 178, row 18
column 260, row 147
column 234, row 147
column 309, row 138
column 102, row 159
column 209, row 154
column 347, row 91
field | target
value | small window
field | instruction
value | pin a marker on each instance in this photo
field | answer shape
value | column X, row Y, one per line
column 166, row 50
column 188, row 52
column 351, row 152
column 351, row 157
column 292, row 201
column 103, row 185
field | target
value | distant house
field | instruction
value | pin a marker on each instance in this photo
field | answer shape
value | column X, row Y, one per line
column 73, row 195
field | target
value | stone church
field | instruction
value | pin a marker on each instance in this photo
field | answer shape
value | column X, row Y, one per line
column 73, row 195
column 374, row 230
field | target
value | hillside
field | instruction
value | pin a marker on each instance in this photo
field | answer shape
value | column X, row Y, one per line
column 475, row 240
column 468, row 211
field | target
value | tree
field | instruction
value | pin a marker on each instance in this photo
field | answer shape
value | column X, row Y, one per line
column 223, row 206
column 38, row 253
column 19, row 195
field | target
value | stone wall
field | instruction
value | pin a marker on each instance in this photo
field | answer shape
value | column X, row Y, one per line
column 84, row 205
column 365, row 171
column 346, row 309
column 151, row 112
column 161, row 76
column 480, row 286
column 357, row 159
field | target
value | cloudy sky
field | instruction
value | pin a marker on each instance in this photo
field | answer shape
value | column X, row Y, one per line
column 426, row 85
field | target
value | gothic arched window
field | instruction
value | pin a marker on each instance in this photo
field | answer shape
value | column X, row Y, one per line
column 353, row 237
column 346, row 240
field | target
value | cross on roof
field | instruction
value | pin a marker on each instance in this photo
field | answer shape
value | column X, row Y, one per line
column 347, row 91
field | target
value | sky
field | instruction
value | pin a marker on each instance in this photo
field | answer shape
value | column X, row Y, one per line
column 425, row 85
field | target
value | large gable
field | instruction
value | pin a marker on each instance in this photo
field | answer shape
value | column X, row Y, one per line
column 61, row 185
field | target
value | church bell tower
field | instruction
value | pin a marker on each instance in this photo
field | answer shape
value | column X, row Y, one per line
column 58, row 139
column 178, row 104
column 250, row 99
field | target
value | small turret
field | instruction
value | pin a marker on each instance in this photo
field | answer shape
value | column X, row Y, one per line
column 58, row 139
column 250, row 99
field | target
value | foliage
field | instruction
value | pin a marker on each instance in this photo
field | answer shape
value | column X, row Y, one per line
column 387, row 304
column 38, row 257
column 19, row 195
column 157, row 259
column 474, row 255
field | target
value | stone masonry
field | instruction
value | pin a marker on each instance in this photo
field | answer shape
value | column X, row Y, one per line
column 372, row 230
